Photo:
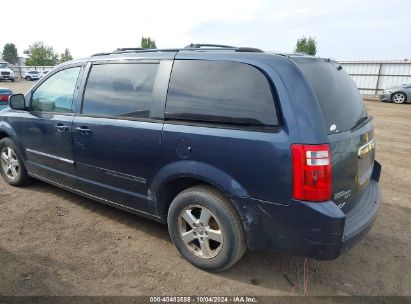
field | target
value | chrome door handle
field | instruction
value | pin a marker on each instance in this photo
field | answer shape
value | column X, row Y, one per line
column 61, row 128
column 83, row 130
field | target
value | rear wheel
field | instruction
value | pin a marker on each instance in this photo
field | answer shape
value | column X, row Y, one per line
column 11, row 165
column 399, row 98
column 206, row 228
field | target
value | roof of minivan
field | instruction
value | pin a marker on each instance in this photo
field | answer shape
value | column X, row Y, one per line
column 231, row 52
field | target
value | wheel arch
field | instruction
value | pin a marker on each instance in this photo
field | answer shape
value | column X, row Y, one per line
column 3, row 134
column 181, row 175
column 7, row 131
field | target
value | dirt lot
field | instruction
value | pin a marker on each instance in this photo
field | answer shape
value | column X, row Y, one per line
column 57, row 243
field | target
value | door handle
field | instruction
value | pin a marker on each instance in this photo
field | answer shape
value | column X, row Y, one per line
column 60, row 127
column 83, row 130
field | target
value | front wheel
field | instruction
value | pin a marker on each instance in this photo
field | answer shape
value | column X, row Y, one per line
column 11, row 165
column 28, row 78
column 206, row 228
column 399, row 98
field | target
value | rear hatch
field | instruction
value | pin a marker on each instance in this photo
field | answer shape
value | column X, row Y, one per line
column 350, row 129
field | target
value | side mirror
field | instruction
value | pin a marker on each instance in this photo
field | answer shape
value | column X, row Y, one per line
column 17, row 102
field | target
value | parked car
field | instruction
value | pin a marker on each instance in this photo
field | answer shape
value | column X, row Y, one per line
column 4, row 97
column 398, row 94
column 32, row 75
column 232, row 147
column 43, row 73
column 5, row 72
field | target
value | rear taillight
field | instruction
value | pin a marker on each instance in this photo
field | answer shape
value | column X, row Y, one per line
column 312, row 175
column 4, row 97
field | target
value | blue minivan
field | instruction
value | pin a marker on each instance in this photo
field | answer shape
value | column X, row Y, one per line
column 232, row 147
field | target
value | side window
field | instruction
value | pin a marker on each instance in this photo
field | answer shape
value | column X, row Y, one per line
column 221, row 92
column 56, row 93
column 120, row 89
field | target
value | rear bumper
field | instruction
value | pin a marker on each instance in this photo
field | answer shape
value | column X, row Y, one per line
column 316, row 230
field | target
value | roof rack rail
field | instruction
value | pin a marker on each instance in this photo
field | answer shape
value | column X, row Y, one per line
column 129, row 49
column 200, row 45
column 132, row 50
column 234, row 48
column 249, row 49
column 191, row 47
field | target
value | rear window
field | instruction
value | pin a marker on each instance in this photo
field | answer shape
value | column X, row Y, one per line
column 120, row 89
column 337, row 94
column 220, row 92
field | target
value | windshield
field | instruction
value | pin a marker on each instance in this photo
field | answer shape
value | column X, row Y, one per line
column 3, row 65
column 337, row 94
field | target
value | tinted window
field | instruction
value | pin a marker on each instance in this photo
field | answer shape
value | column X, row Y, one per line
column 56, row 93
column 217, row 91
column 337, row 94
column 120, row 90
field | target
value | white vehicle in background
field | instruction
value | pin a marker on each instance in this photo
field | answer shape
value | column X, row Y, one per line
column 5, row 72
column 43, row 73
column 32, row 75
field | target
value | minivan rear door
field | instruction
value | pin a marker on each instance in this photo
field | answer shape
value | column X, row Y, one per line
column 350, row 129
column 117, row 131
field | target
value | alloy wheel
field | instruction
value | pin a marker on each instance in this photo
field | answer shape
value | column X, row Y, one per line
column 201, row 231
column 9, row 163
column 398, row 98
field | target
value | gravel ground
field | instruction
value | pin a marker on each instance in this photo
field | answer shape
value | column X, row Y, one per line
column 57, row 243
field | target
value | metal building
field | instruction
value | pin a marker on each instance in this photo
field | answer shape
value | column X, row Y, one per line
column 374, row 76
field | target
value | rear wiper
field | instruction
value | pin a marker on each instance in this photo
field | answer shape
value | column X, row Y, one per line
column 362, row 122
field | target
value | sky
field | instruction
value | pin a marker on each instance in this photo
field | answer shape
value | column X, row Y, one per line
column 344, row 30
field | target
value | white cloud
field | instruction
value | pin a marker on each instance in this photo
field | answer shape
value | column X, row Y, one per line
column 344, row 29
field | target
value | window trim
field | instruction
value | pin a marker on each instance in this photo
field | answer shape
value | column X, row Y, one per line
column 235, row 126
column 88, row 69
column 75, row 93
column 226, row 126
column 151, row 120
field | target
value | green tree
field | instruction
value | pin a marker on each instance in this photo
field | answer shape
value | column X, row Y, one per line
column 306, row 45
column 41, row 54
column 10, row 53
column 147, row 43
column 66, row 56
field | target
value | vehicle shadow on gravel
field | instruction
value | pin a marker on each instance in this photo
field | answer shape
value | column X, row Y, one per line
column 265, row 269
column 131, row 220
column 360, row 271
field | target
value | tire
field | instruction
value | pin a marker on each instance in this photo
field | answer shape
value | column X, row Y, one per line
column 12, row 80
column 9, row 159
column 399, row 98
column 213, row 244
column 28, row 78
